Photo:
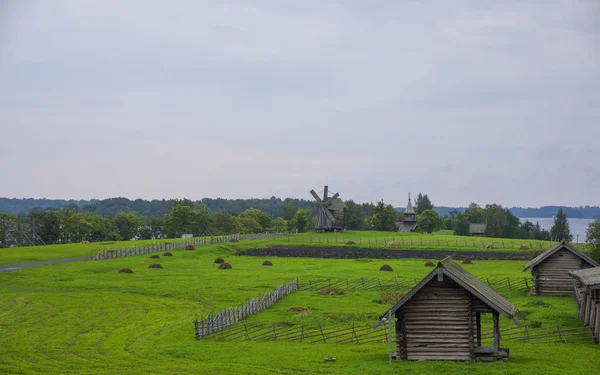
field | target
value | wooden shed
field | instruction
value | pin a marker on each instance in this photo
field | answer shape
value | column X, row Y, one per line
column 587, row 294
column 440, row 318
column 550, row 270
column 477, row 230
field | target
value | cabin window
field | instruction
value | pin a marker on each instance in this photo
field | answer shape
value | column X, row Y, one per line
column 560, row 255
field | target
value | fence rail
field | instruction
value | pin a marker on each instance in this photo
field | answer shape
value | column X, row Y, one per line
column 404, row 241
column 175, row 244
column 224, row 318
column 403, row 284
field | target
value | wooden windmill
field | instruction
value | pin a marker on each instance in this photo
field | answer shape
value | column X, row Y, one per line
column 330, row 211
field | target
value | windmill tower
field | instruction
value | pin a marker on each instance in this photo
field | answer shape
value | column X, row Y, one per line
column 330, row 211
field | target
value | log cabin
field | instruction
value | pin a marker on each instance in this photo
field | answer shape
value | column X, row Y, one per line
column 587, row 294
column 440, row 318
column 550, row 270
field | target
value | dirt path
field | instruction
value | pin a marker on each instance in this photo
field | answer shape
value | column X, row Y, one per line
column 357, row 253
column 13, row 267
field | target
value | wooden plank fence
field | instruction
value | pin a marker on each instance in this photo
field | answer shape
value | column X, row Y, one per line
column 224, row 318
column 175, row 244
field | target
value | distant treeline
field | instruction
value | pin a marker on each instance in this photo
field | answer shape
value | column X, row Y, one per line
column 273, row 206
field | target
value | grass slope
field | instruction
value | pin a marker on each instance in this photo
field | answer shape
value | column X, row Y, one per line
column 442, row 240
column 86, row 318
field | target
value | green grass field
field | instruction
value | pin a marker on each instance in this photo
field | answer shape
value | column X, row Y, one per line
column 443, row 240
column 86, row 318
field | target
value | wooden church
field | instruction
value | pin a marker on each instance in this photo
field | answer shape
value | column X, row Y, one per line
column 440, row 318
column 550, row 270
column 409, row 224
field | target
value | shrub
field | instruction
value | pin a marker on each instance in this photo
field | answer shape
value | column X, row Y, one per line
column 219, row 261
column 190, row 247
column 429, row 264
column 386, row 267
column 225, row 266
column 154, row 257
column 155, row 265
column 167, row 254
column 267, row 263
column 125, row 270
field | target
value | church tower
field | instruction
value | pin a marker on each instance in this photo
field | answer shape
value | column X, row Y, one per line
column 409, row 224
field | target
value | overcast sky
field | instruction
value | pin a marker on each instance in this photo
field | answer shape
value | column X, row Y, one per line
column 485, row 101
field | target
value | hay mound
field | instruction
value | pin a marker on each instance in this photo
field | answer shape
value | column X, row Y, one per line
column 154, row 256
column 386, row 267
column 167, row 254
column 267, row 263
column 155, row 265
column 190, row 247
column 234, row 240
column 225, row 266
column 491, row 246
column 523, row 247
column 396, row 243
column 330, row 291
column 467, row 261
column 219, row 261
column 85, row 242
column 537, row 253
column 297, row 309
column 350, row 242
column 125, row 270
column 429, row 264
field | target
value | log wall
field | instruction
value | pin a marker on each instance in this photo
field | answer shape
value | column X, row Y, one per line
column 551, row 277
column 438, row 323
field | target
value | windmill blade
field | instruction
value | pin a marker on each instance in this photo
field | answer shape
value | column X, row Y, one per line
column 325, row 191
column 317, row 198
column 330, row 200
column 329, row 215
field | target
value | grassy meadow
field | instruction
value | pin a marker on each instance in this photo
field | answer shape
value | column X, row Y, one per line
column 443, row 240
column 86, row 318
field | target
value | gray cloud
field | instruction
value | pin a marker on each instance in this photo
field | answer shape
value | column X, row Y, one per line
column 477, row 101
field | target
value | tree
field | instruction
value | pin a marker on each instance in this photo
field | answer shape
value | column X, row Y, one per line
column 384, row 218
column 560, row 230
column 203, row 220
column 262, row 219
column 460, row 224
column 592, row 236
column 126, row 225
column 152, row 228
column 475, row 214
column 429, row 221
column 46, row 224
column 496, row 220
column 287, row 211
column 354, row 216
column 280, row 225
column 225, row 223
column 303, row 221
column 180, row 220
column 422, row 203
column 7, row 229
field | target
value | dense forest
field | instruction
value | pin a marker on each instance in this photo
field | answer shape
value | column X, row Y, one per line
column 158, row 208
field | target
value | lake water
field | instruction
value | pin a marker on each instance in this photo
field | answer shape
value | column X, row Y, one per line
column 578, row 226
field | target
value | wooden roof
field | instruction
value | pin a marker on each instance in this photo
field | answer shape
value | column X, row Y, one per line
column 409, row 208
column 589, row 277
column 562, row 245
column 475, row 228
column 462, row 277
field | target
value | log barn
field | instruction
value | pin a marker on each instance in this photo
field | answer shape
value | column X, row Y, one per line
column 587, row 294
column 440, row 318
column 550, row 270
